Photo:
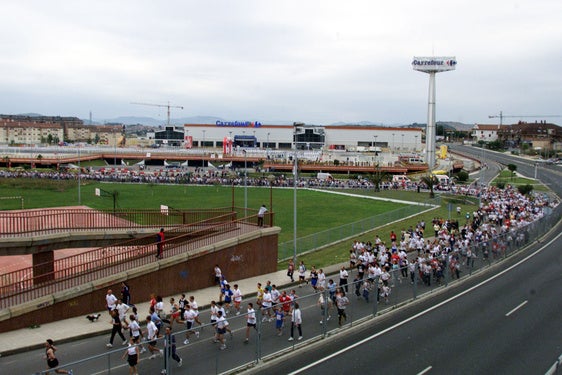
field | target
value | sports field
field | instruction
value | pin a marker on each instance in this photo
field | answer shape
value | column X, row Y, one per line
column 316, row 211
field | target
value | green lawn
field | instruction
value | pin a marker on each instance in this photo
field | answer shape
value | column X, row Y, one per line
column 316, row 211
column 507, row 177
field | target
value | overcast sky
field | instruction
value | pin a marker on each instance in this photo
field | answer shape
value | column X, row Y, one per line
column 313, row 61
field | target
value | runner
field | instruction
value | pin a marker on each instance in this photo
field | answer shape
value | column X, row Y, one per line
column 52, row 360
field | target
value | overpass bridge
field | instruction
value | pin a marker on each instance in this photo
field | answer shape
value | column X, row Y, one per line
column 200, row 236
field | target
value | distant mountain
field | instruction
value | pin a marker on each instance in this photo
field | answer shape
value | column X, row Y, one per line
column 367, row 123
column 149, row 121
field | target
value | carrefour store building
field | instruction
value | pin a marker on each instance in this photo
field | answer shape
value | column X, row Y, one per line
column 230, row 135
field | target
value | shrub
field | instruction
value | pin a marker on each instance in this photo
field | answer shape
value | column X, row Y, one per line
column 500, row 185
column 525, row 189
column 462, row 176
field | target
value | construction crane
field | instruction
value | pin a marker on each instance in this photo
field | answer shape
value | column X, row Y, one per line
column 501, row 116
column 168, row 106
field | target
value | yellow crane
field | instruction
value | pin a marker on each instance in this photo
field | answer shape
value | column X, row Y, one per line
column 167, row 106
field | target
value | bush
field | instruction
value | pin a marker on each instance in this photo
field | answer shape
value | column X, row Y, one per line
column 525, row 189
column 500, row 185
column 462, row 176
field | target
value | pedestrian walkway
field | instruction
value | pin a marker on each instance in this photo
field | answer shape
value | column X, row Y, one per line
column 66, row 330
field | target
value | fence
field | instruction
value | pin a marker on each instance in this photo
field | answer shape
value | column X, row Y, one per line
column 333, row 235
column 53, row 220
column 320, row 316
column 23, row 285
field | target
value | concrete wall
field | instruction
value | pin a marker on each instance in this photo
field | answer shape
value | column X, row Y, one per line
column 239, row 258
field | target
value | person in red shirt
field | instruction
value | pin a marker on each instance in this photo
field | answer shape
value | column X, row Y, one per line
column 285, row 302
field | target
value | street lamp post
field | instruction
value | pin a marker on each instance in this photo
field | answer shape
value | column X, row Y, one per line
column 392, row 151
column 245, row 182
column 295, row 173
column 402, row 148
column 115, row 148
column 416, row 143
column 79, row 177
column 271, row 178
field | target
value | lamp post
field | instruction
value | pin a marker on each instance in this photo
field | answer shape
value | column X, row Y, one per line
column 79, row 177
column 267, row 145
column 245, row 181
column 295, row 173
column 402, row 148
column 416, row 144
column 115, row 148
column 392, row 151
column 203, row 144
column 271, row 178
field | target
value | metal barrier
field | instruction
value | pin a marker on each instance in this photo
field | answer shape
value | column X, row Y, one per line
column 333, row 235
column 320, row 314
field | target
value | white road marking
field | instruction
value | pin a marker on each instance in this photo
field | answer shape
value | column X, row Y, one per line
column 517, row 308
column 426, row 370
column 421, row 313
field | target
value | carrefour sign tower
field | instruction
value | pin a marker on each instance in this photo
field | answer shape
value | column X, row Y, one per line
column 432, row 65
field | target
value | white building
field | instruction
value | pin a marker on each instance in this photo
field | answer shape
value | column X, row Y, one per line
column 345, row 137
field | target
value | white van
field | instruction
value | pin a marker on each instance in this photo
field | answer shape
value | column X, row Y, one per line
column 442, row 179
column 400, row 179
column 324, row 176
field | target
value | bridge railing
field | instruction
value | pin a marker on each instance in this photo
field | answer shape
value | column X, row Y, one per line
column 45, row 279
column 23, row 223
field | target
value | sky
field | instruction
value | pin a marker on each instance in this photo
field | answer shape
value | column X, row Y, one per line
column 317, row 62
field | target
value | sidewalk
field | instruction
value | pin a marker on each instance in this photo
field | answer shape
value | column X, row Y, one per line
column 26, row 339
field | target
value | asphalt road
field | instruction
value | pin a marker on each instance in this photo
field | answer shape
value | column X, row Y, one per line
column 509, row 324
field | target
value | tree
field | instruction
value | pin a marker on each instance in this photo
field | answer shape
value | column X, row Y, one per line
column 377, row 177
column 430, row 182
column 462, row 176
column 525, row 189
column 50, row 139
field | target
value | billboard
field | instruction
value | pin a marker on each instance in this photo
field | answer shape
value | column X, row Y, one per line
column 434, row 64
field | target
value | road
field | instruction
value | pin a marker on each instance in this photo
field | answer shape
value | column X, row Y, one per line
column 550, row 175
column 509, row 324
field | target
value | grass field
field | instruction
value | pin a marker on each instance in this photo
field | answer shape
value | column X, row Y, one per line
column 316, row 211
column 507, row 177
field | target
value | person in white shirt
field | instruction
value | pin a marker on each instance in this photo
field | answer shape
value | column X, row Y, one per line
column 152, row 334
column 321, row 280
column 221, row 330
column 296, row 321
column 122, row 310
column 237, row 298
column 261, row 214
column 343, row 278
column 250, row 321
column 110, row 300
column 266, row 306
column 189, row 317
